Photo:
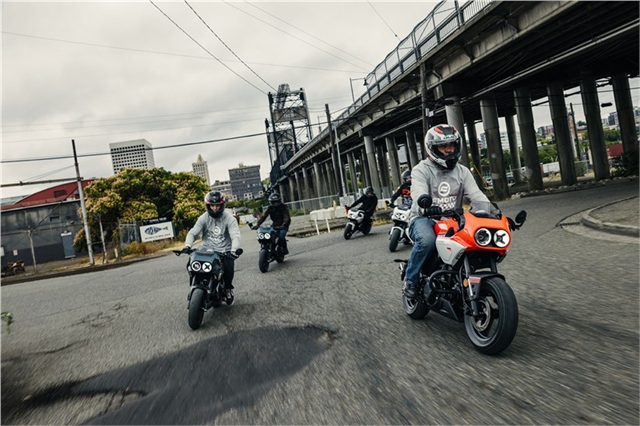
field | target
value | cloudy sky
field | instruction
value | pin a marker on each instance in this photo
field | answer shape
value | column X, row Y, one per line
column 175, row 73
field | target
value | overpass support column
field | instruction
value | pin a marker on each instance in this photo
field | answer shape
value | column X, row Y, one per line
column 353, row 172
column 331, row 188
column 513, row 148
column 489, row 111
column 624, row 107
column 599, row 158
column 306, row 183
column 292, row 190
column 317, row 180
column 475, row 152
column 528, row 136
column 455, row 119
column 371, row 162
column 413, row 148
column 282, row 190
column 383, row 169
column 299, row 186
column 560, row 122
column 393, row 161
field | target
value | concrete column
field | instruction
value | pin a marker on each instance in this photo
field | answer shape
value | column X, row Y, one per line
column 353, row 169
column 528, row 136
column 624, row 108
column 455, row 119
column 489, row 111
column 283, row 191
column 371, row 162
column 331, row 184
column 475, row 153
column 394, row 164
column 558, row 109
column 513, row 148
column 383, row 170
column 299, row 178
column 414, row 159
column 306, row 181
column 318, row 180
column 591, row 104
column 292, row 192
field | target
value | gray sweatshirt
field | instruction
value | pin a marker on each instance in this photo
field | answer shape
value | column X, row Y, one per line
column 448, row 188
column 220, row 234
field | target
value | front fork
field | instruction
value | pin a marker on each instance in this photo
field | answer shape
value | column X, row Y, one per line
column 472, row 283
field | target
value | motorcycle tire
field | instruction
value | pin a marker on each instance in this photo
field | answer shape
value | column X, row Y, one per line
column 415, row 308
column 263, row 260
column 279, row 255
column 493, row 331
column 393, row 240
column 196, row 308
column 348, row 231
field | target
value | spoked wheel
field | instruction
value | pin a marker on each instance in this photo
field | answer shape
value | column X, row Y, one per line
column 494, row 329
column 393, row 240
column 263, row 260
column 415, row 308
column 348, row 231
column 196, row 308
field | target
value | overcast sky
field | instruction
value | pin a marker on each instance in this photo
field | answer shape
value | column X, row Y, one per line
column 103, row 72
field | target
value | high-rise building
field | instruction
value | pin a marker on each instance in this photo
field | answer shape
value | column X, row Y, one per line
column 134, row 154
column 201, row 168
column 245, row 182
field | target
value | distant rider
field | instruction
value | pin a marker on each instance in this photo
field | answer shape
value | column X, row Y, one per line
column 280, row 218
column 403, row 190
column 220, row 232
column 447, row 183
column 368, row 203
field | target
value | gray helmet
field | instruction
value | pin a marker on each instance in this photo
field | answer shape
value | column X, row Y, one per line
column 442, row 134
column 275, row 199
column 214, row 198
column 406, row 176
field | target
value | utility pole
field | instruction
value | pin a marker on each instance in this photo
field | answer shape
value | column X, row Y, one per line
column 82, row 205
column 423, row 91
column 575, row 132
column 333, row 142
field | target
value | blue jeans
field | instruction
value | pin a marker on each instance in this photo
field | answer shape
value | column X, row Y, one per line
column 424, row 243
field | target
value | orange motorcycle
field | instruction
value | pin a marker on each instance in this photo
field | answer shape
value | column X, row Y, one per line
column 462, row 282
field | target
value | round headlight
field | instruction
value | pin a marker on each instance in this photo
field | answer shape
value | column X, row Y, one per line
column 267, row 236
column 206, row 267
column 196, row 266
column 483, row 237
column 501, row 238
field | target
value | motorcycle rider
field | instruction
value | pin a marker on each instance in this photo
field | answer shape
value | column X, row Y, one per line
column 368, row 202
column 447, row 183
column 279, row 213
column 220, row 232
column 403, row 190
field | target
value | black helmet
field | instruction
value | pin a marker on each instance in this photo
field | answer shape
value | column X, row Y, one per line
column 368, row 191
column 406, row 176
column 214, row 198
column 275, row 199
column 442, row 134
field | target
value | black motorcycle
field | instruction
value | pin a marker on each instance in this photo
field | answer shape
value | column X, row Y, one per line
column 356, row 222
column 271, row 248
column 206, row 282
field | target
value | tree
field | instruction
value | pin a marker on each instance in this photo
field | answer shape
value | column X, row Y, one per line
column 138, row 194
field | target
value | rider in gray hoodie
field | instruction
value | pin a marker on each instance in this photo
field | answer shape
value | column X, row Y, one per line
column 220, row 232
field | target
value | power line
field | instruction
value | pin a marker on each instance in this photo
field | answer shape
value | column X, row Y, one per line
column 203, row 48
column 291, row 35
column 385, row 22
column 310, row 35
column 228, row 48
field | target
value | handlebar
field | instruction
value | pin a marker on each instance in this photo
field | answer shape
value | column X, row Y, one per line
column 221, row 254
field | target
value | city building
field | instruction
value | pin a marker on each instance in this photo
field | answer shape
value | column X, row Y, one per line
column 224, row 187
column 201, row 168
column 245, row 182
column 134, row 154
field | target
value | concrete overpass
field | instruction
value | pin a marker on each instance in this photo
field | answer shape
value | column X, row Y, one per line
column 487, row 60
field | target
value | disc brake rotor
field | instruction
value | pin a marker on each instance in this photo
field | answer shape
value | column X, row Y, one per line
column 486, row 307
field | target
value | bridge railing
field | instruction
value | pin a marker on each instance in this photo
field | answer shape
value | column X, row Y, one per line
column 442, row 21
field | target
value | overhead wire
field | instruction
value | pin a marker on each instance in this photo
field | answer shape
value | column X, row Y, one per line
column 205, row 49
column 383, row 20
column 225, row 45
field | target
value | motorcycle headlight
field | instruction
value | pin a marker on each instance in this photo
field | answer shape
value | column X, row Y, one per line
column 501, row 238
column 267, row 236
column 196, row 266
column 483, row 237
column 403, row 217
column 207, row 267
column 260, row 236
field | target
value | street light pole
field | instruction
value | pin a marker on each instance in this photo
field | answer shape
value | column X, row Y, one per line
column 353, row 98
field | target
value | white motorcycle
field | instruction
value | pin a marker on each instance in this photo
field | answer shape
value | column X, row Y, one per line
column 356, row 222
column 399, row 232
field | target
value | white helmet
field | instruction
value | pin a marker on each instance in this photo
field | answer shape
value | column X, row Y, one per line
column 442, row 134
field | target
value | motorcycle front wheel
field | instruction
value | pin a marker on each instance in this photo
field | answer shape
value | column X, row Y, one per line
column 348, row 231
column 393, row 240
column 196, row 308
column 415, row 308
column 263, row 260
column 494, row 329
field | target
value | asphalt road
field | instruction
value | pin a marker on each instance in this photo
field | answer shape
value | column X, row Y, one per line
column 323, row 338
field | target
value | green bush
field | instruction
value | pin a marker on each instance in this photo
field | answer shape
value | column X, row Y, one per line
column 626, row 164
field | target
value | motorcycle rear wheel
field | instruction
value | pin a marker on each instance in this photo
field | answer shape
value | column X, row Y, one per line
column 196, row 308
column 393, row 240
column 415, row 308
column 493, row 331
column 263, row 260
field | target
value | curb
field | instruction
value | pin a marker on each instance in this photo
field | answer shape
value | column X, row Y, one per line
column 615, row 228
column 575, row 187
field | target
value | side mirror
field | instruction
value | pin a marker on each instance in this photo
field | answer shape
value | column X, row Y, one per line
column 239, row 251
column 521, row 217
column 425, row 201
